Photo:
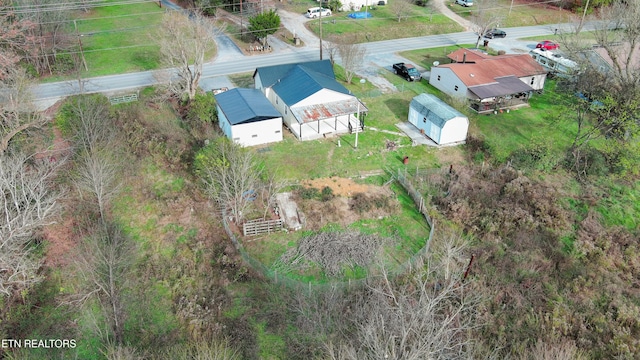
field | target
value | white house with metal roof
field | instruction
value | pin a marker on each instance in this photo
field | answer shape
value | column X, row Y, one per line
column 312, row 103
column 437, row 120
column 247, row 117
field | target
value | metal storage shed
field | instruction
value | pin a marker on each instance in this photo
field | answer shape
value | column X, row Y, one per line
column 437, row 120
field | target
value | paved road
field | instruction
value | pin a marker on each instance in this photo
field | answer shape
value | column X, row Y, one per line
column 240, row 64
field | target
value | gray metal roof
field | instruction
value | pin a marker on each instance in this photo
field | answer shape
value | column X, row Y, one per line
column 437, row 111
column 245, row 105
column 506, row 85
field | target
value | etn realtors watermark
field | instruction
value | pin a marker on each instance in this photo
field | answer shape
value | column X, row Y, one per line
column 37, row 343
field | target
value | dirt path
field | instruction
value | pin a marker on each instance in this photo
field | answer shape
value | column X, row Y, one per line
column 443, row 7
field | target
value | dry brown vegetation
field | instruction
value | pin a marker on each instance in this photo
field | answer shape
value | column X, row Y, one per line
column 539, row 287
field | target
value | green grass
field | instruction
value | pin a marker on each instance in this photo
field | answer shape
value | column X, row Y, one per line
column 384, row 26
column 520, row 14
column 118, row 39
column 622, row 206
column 548, row 120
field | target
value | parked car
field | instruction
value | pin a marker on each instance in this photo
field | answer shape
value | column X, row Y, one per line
column 315, row 12
column 547, row 45
column 407, row 71
column 495, row 33
column 466, row 3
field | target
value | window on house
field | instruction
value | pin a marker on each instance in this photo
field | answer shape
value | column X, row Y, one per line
column 277, row 131
column 455, row 88
column 285, row 111
column 254, row 136
column 533, row 80
column 438, row 77
column 424, row 120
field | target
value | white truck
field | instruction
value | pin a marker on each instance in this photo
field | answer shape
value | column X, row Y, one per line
column 356, row 5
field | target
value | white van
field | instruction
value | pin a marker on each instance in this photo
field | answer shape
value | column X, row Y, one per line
column 315, row 12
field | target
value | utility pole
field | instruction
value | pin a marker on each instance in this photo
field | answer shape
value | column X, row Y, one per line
column 320, row 19
column 84, row 61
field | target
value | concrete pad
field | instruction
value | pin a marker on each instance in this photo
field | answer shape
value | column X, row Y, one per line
column 416, row 137
column 289, row 211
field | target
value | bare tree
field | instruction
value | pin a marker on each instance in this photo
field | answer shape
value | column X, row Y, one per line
column 15, row 40
column 351, row 55
column 230, row 174
column 423, row 315
column 106, row 260
column 90, row 123
column 98, row 176
column 484, row 18
column 18, row 111
column 28, row 201
column 402, row 9
column 184, row 41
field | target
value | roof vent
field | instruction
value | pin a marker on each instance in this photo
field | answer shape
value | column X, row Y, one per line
column 471, row 75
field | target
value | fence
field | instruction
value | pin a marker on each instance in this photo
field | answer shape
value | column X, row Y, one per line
column 114, row 100
column 260, row 226
column 415, row 260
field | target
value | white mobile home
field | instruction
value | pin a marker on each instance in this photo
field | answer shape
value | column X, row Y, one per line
column 556, row 64
column 437, row 120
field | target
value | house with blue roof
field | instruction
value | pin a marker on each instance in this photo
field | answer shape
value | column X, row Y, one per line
column 312, row 103
column 247, row 117
column 437, row 120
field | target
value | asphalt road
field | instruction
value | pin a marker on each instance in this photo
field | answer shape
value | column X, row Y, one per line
column 223, row 65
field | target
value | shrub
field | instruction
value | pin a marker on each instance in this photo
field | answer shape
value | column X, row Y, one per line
column 536, row 156
column 327, row 194
column 308, row 193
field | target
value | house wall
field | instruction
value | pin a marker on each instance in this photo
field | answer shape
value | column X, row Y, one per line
column 224, row 124
column 257, row 133
column 418, row 120
column 447, row 82
column 258, row 82
column 323, row 96
column 537, row 83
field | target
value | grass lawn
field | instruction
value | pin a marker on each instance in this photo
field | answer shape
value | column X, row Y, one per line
column 118, row 38
column 517, row 14
column 384, row 26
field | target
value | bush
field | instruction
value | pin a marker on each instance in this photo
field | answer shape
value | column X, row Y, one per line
column 309, row 193
column 362, row 202
column 327, row 194
column 536, row 156
column 202, row 109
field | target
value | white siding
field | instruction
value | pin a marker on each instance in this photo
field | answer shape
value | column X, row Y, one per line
column 258, row 82
column 323, row 96
column 257, row 133
column 538, row 81
column 455, row 130
column 448, row 82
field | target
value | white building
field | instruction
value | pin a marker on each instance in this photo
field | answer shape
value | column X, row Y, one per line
column 437, row 120
column 312, row 103
column 489, row 82
column 554, row 63
column 246, row 117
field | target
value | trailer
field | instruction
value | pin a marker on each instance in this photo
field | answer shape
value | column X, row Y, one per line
column 555, row 64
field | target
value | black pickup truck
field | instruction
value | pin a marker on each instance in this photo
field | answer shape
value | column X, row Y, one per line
column 407, row 71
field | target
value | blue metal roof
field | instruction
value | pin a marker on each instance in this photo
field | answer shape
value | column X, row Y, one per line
column 434, row 109
column 271, row 74
column 245, row 105
column 295, row 82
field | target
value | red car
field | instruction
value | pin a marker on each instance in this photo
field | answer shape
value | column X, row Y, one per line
column 547, row 45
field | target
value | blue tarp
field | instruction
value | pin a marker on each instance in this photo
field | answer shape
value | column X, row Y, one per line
column 360, row 15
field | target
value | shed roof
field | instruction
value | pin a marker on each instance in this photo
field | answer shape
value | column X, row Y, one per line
column 241, row 106
column 505, row 85
column 437, row 111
